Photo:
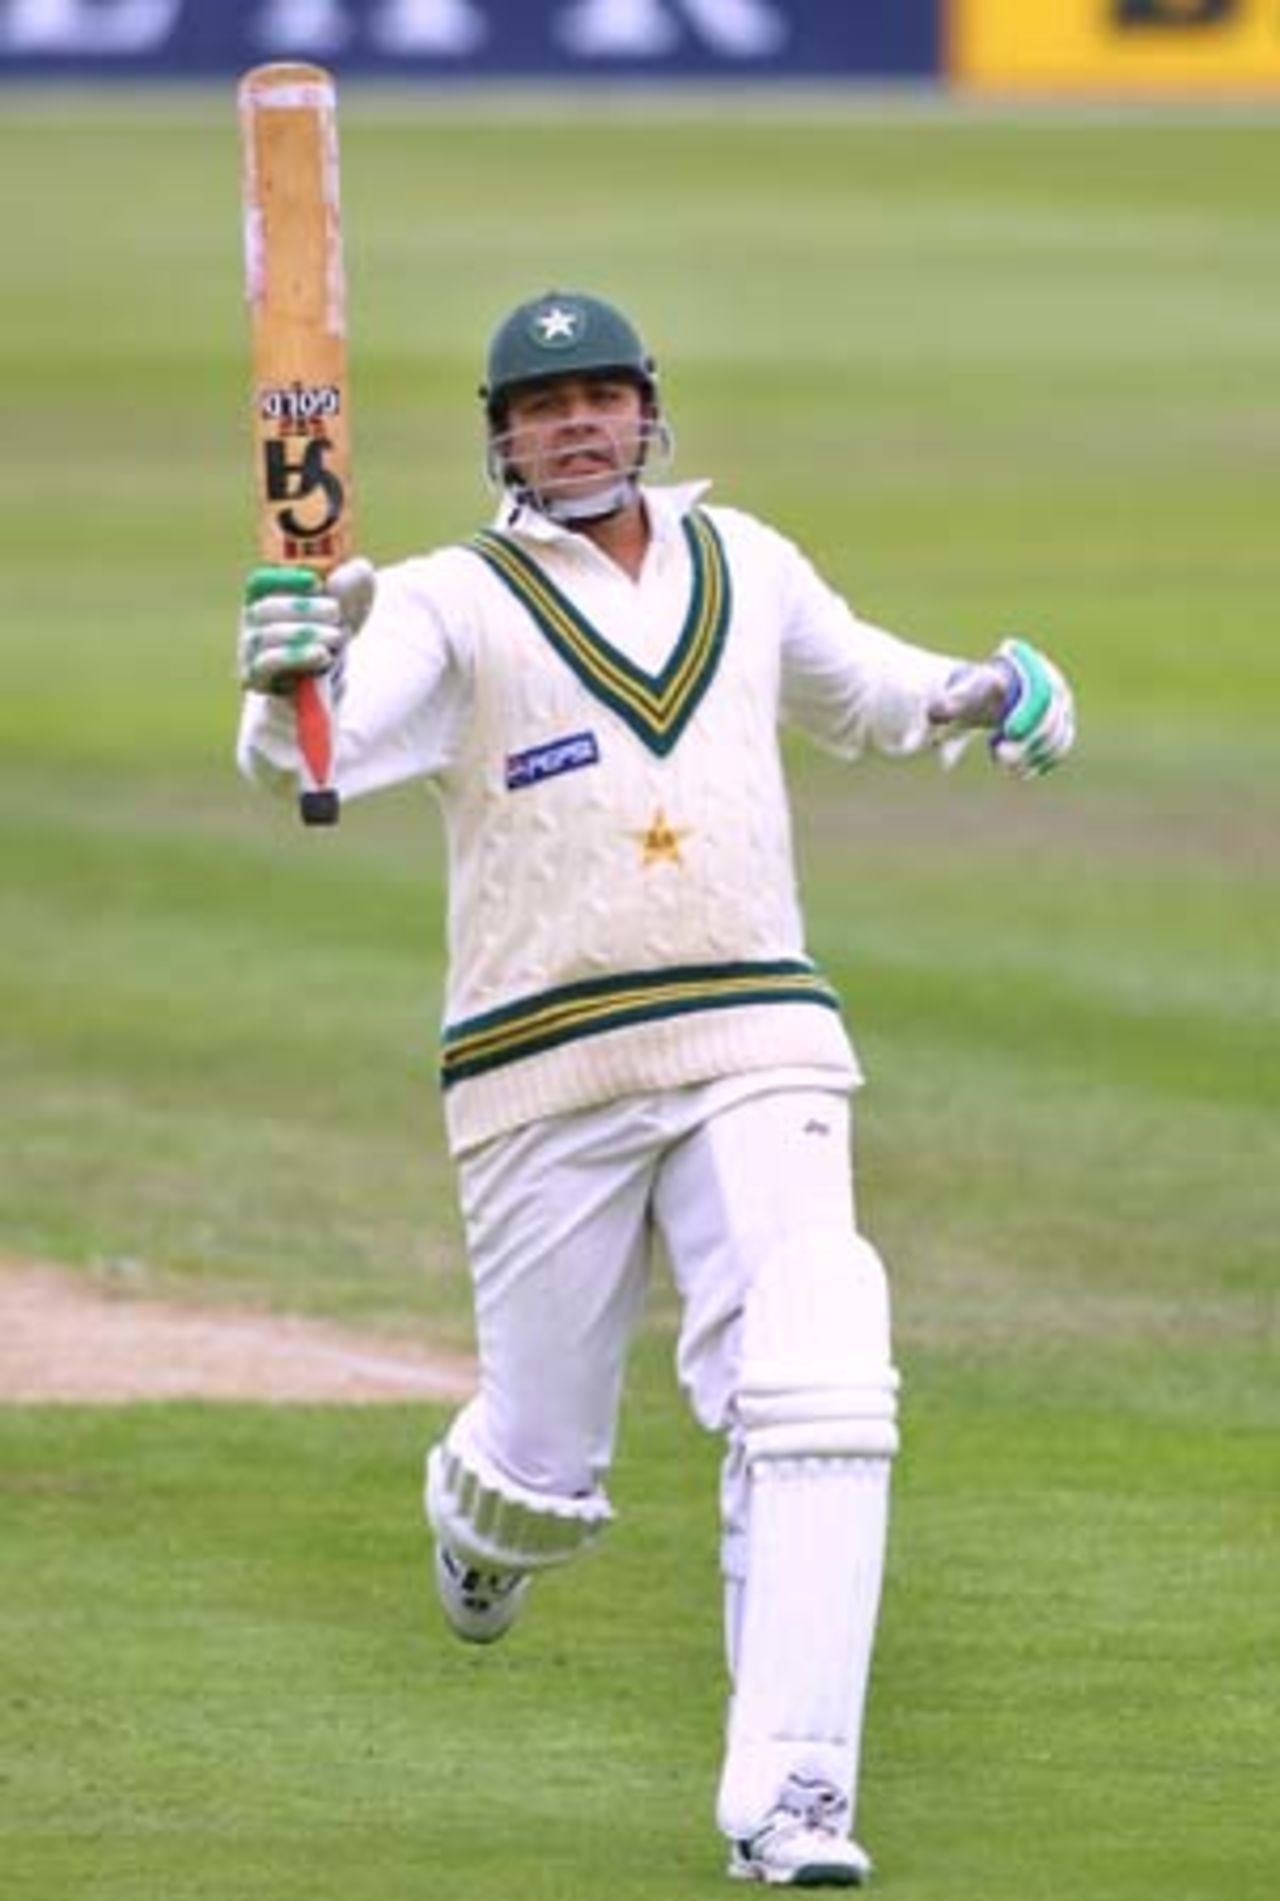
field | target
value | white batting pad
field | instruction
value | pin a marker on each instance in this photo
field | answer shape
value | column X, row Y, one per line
column 489, row 1519
column 815, row 1559
column 816, row 1318
column 817, row 1427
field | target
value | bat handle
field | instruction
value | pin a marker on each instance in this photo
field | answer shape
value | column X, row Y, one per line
column 313, row 706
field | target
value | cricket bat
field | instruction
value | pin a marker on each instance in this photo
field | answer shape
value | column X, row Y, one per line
column 296, row 291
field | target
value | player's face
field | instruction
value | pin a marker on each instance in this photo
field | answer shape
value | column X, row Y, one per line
column 576, row 435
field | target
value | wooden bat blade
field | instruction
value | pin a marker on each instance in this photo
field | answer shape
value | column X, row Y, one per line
column 296, row 291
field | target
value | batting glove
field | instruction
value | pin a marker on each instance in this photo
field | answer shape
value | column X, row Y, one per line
column 1020, row 695
column 293, row 623
column 1038, row 727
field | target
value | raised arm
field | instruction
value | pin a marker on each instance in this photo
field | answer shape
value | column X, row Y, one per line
column 399, row 689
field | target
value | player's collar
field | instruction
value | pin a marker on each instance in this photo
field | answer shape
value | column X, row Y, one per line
column 667, row 508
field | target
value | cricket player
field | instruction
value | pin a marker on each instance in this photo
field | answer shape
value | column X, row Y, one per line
column 636, row 1042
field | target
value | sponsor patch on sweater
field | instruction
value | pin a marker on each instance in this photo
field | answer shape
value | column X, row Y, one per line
column 549, row 761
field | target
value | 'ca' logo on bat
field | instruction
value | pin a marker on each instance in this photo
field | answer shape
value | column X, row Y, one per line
column 303, row 479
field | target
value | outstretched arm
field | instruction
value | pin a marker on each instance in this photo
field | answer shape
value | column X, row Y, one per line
column 855, row 687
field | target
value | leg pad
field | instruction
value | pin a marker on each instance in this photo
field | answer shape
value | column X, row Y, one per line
column 816, row 1377
column 489, row 1519
column 815, row 1434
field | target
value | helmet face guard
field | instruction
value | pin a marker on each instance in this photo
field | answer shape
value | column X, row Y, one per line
column 611, row 460
column 558, row 335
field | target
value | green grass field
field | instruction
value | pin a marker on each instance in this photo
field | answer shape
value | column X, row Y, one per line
column 997, row 375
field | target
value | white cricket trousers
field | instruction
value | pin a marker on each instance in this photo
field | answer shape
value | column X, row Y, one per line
column 560, row 1220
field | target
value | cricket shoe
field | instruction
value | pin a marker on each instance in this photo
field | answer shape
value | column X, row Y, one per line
column 802, row 1844
column 480, row 1605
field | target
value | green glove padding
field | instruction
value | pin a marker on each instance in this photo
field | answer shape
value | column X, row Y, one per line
column 279, row 579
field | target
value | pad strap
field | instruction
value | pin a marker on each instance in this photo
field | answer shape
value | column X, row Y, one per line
column 787, row 1421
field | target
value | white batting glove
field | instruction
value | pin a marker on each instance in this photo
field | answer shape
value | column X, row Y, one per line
column 293, row 623
column 1022, row 697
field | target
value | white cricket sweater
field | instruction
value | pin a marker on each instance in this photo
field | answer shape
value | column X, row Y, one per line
column 623, row 913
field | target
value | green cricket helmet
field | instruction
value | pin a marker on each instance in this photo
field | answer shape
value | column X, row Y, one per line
column 562, row 333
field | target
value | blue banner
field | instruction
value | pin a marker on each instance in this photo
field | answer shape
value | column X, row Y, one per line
column 469, row 39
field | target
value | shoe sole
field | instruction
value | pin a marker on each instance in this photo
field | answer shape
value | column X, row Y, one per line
column 814, row 1874
column 472, row 1627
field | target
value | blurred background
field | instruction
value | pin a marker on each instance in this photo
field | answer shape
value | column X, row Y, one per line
column 978, row 302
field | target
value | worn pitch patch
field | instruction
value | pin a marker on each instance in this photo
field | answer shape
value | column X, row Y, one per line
column 66, row 1339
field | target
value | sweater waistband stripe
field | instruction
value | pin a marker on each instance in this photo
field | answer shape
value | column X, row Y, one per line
column 555, row 1017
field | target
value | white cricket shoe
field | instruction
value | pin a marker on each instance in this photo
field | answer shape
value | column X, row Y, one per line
column 802, row 1844
column 480, row 1605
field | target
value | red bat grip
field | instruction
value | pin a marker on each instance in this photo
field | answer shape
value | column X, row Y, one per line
column 317, row 795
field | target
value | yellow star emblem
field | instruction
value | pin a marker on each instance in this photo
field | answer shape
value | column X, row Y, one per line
column 660, row 841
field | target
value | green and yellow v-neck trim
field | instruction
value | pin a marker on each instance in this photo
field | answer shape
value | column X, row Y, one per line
column 656, row 706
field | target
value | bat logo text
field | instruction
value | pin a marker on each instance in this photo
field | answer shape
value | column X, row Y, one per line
column 300, row 403
column 303, row 479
